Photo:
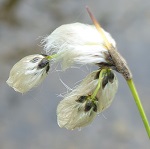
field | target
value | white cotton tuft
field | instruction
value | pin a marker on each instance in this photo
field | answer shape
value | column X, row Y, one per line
column 78, row 108
column 77, row 43
column 29, row 72
column 71, row 113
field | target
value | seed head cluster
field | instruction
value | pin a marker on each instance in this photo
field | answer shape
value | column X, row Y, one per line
column 69, row 45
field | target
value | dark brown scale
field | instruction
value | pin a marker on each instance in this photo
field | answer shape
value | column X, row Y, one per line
column 109, row 62
column 88, row 106
column 104, row 65
column 47, row 68
column 111, row 77
column 104, row 81
column 44, row 55
column 94, row 107
column 34, row 60
column 81, row 99
column 97, row 75
column 44, row 62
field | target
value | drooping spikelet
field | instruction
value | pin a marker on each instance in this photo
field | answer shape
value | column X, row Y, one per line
column 79, row 108
column 29, row 72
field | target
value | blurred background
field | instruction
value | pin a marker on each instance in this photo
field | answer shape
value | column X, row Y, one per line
column 29, row 121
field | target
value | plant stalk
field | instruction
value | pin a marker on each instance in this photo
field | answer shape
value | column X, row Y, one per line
column 139, row 105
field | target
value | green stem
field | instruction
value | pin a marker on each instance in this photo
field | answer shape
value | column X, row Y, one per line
column 99, row 83
column 49, row 57
column 139, row 105
column 97, row 88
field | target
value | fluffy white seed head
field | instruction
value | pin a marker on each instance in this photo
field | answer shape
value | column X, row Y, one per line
column 28, row 73
column 77, row 43
column 71, row 113
column 78, row 109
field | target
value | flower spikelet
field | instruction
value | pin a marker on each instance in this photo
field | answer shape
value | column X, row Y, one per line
column 29, row 72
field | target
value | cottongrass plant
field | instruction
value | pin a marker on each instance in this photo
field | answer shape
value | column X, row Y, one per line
column 83, row 44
